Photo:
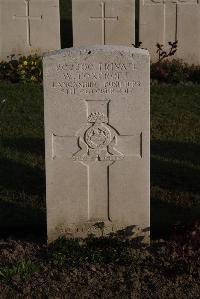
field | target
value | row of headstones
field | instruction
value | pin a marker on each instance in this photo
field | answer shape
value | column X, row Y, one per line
column 34, row 25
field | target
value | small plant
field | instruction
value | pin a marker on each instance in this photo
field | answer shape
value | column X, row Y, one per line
column 2, row 105
column 137, row 45
column 163, row 54
column 101, row 226
column 194, row 74
column 30, row 68
column 67, row 251
column 171, row 71
column 25, row 69
column 8, row 71
column 24, row 269
column 60, row 258
column 174, row 71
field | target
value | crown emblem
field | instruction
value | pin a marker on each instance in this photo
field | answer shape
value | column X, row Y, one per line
column 97, row 117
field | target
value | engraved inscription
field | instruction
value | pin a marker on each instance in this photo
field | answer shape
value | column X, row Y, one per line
column 109, row 66
column 90, row 228
column 130, row 231
column 91, row 79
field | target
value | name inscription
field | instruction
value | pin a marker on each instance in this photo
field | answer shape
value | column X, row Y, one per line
column 96, row 78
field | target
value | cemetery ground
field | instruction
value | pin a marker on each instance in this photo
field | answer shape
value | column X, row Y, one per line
column 106, row 267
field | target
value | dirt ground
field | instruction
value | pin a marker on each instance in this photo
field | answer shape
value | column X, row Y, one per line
column 102, row 268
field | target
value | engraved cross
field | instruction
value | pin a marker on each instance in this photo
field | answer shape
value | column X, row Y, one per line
column 100, row 146
column 28, row 19
column 103, row 20
column 164, row 4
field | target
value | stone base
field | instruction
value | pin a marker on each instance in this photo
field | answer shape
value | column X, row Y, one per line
column 100, row 229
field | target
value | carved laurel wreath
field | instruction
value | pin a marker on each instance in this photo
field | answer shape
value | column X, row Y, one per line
column 97, row 117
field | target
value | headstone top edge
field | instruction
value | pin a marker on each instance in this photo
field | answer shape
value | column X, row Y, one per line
column 110, row 48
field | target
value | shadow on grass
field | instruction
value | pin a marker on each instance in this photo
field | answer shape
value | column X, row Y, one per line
column 22, row 191
column 174, row 169
column 21, row 178
column 179, row 172
column 164, row 217
column 30, row 145
column 172, row 175
column 17, row 221
column 183, row 152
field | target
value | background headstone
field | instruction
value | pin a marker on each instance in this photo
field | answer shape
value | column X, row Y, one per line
column 29, row 26
column 108, row 22
column 97, row 139
column 163, row 21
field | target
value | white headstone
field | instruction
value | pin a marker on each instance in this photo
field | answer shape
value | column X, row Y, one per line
column 103, row 22
column 29, row 26
column 97, row 140
column 163, row 21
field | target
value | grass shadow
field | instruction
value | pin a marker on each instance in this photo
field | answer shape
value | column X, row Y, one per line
column 174, row 166
column 17, row 221
column 181, row 151
column 164, row 217
column 25, row 144
column 172, row 175
column 21, row 178
column 22, row 190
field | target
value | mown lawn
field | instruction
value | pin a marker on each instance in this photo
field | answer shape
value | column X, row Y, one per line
column 22, row 185
column 175, row 159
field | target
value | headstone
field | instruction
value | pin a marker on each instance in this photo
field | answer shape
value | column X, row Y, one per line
column 97, row 140
column 163, row 21
column 108, row 22
column 29, row 26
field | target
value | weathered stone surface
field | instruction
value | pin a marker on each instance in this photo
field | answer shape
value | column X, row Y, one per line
column 29, row 26
column 97, row 140
column 109, row 22
column 163, row 21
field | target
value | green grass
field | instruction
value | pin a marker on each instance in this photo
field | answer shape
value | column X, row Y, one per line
column 23, row 268
column 22, row 186
column 175, row 158
column 101, row 250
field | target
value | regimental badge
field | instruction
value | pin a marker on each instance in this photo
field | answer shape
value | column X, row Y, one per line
column 98, row 142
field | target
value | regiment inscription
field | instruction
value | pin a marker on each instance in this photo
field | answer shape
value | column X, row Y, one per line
column 102, row 78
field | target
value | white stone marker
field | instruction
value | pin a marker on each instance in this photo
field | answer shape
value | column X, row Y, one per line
column 166, row 21
column 103, row 22
column 29, row 26
column 97, row 140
